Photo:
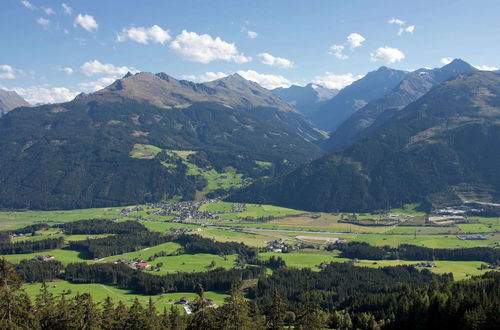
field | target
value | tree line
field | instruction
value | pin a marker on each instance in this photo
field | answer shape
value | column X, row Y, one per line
column 23, row 247
column 362, row 250
column 102, row 226
column 419, row 304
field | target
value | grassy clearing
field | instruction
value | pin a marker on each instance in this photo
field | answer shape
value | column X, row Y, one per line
column 421, row 230
column 260, row 211
column 460, row 269
column 215, row 180
column 223, row 235
column 62, row 255
column 100, row 292
column 168, row 247
column 18, row 219
column 475, row 228
column 191, row 263
column 144, row 151
column 493, row 223
column 219, row 207
column 163, row 227
column 45, row 234
column 431, row 241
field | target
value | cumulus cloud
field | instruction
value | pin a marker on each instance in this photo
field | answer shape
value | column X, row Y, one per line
column 28, row 4
column 396, row 21
column 204, row 77
column 44, row 22
column 97, row 84
column 87, row 22
column 485, row 67
column 205, row 49
column 355, row 40
column 269, row 81
column 6, row 72
column 338, row 51
column 446, row 60
column 408, row 29
column 336, row 81
column 143, row 35
column 67, row 9
column 44, row 94
column 387, row 54
column 48, row 11
column 95, row 67
column 271, row 60
column 66, row 69
column 252, row 34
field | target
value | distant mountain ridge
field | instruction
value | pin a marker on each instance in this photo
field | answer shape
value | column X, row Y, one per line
column 373, row 85
column 83, row 153
column 10, row 100
column 165, row 91
column 376, row 113
column 307, row 99
column 440, row 150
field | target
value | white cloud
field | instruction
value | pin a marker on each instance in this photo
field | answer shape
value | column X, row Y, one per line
column 271, row 60
column 66, row 70
column 408, row 29
column 48, row 11
column 387, row 54
column 355, row 40
column 96, row 85
column 67, row 9
column 205, row 49
column 396, row 21
column 87, row 22
column 204, row 77
column 28, row 4
column 6, row 72
column 252, row 34
column 154, row 34
column 446, row 60
column 44, row 22
column 338, row 51
column 485, row 67
column 43, row 94
column 336, row 81
column 269, row 81
column 95, row 67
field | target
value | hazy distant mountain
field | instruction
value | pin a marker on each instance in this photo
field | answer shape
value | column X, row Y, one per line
column 377, row 112
column 78, row 154
column 307, row 99
column 10, row 100
column 441, row 149
column 355, row 96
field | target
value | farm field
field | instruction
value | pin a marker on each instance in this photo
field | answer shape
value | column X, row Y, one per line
column 311, row 259
column 17, row 219
column 62, row 255
column 199, row 262
column 100, row 292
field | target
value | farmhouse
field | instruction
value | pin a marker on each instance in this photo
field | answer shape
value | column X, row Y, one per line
column 143, row 266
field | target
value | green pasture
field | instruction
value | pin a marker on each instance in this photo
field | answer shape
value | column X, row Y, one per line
column 144, row 151
column 99, row 292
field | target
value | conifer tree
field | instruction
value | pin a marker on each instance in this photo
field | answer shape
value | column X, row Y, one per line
column 276, row 312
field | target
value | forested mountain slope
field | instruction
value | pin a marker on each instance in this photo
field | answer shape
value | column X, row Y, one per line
column 441, row 149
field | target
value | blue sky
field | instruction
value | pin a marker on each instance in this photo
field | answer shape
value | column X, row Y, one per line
column 52, row 50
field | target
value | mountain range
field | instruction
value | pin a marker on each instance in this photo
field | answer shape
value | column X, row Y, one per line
column 307, row 99
column 376, row 113
column 148, row 137
column 439, row 150
column 372, row 86
column 10, row 100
